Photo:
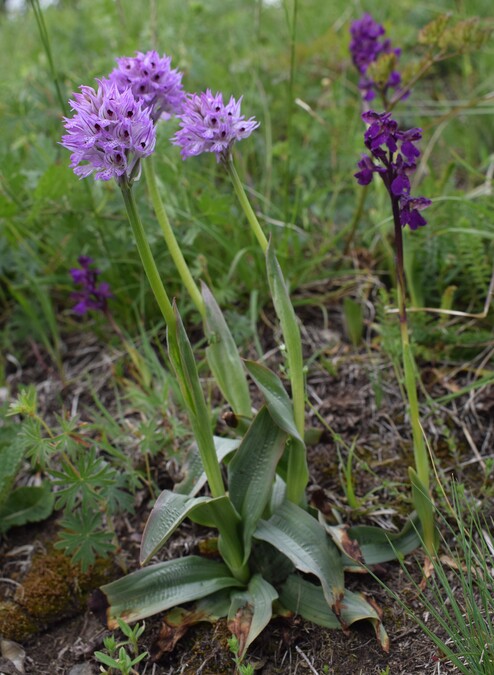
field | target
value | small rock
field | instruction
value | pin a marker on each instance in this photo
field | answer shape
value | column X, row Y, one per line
column 81, row 669
column 13, row 652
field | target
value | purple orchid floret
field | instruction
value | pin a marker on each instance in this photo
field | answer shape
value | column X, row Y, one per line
column 151, row 79
column 92, row 295
column 366, row 47
column 109, row 132
column 393, row 155
column 208, row 125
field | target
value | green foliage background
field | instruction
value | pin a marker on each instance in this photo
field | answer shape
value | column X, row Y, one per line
column 298, row 166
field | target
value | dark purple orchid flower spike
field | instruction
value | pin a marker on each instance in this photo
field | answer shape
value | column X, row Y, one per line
column 91, row 295
column 366, row 46
column 393, row 155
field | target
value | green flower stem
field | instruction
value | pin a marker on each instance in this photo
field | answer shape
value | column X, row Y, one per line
column 177, row 343
column 147, row 257
column 245, row 204
column 170, row 239
column 419, row 449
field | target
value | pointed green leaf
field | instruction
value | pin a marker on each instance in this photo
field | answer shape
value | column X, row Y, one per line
column 168, row 512
column 308, row 600
column 354, row 320
column 223, row 357
column 251, row 611
column 277, row 400
column 291, row 333
column 364, row 544
column 194, row 477
column 183, row 361
column 302, row 539
column 162, row 586
column 252, row 470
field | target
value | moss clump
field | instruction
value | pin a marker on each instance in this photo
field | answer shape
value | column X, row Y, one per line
column 15, row 624
column 53, row 589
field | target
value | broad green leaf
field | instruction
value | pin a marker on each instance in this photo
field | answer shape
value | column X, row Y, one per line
column 277, row 400
column 278, row 494
column 159, row 587
column 26, row 505
column 364, row 544
column 303, row 540
column 11, row 454
column 252, row 470
column 194, row 477
column 168, row 512
column 251, row 611
column 215, row 606
column 223, row 357
column 270, row 563
column 183, row 361
column 308, row 600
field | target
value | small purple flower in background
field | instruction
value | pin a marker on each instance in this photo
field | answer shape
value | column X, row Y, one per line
column 109, row 133
column 366, row 47
column 91, row 295
column 152, row 80
column 208, row 125
column 394, row 157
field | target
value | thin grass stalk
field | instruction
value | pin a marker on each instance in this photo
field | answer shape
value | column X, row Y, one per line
column 38, row 14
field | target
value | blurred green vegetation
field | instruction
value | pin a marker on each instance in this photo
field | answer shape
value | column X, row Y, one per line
column 291, row 64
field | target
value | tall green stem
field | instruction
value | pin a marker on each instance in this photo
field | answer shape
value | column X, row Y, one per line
column 180, row 350
column 419, row 449
column 170, row 239
column 245, row 204
column 147, row 257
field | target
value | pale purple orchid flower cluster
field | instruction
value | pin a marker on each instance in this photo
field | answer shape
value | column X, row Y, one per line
column 109, row 133
column 209, row 125
column 153, row 81
column 394, row 158
column 366, row 47
column 114, row 126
